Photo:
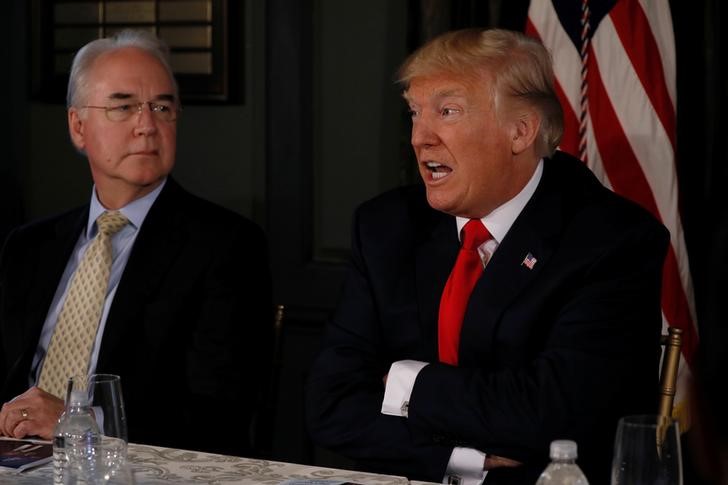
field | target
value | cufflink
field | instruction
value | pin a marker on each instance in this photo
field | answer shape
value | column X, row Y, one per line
column 454, row 480
column 405, row 409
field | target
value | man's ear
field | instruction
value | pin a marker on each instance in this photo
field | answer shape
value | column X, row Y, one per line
column 76, row 129
column 525, row 130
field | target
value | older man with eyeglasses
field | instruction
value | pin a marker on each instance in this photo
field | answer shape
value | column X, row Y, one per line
column 146, row 281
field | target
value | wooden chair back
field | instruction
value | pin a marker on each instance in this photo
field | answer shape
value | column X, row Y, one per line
column 668, row 372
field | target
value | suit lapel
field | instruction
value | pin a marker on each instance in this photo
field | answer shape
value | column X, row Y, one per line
column 155, row 249
column 536, row 233
column 436, row 251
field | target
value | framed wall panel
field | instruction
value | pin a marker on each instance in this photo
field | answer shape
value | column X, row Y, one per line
column 204, row 38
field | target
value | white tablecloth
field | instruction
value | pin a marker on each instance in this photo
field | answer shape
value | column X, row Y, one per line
column 156, row 466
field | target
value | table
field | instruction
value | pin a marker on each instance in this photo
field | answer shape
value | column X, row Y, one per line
column 153, row 465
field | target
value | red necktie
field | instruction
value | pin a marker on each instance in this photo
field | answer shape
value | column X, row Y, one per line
column 468, row 268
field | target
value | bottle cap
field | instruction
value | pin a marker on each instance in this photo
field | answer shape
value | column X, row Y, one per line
column 563, row 450
column 78, row 398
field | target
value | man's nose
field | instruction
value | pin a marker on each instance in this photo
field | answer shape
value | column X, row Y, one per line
column 423, row 134
column 147, row 123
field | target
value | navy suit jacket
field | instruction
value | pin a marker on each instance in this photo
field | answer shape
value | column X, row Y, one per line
column 559, row 351
column 189, row 330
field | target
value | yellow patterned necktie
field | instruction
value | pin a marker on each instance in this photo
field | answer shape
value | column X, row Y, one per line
column 73, row 338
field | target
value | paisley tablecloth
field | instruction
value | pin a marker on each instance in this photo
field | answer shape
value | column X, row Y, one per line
column 153, row 465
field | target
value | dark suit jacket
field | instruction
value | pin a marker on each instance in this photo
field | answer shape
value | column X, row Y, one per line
column 189, row 330
column 559, row 351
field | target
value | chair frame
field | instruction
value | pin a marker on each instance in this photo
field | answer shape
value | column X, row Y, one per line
column 668, row 373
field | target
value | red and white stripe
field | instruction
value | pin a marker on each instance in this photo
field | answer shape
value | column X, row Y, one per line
column 630, row 128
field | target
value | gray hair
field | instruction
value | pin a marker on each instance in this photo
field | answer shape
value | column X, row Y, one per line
column 87, row 55
column 521, row 68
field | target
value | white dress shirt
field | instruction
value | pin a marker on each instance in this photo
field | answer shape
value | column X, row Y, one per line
column 466, row 465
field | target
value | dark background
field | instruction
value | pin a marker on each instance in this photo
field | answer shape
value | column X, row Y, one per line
column 320, row 128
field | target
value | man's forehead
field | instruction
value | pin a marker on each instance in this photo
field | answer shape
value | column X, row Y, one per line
column 440, row 86
column 129, row 59
column 122, row 73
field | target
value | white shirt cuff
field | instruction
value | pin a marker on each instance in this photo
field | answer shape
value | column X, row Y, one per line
column 400, row 381
column 465, row 467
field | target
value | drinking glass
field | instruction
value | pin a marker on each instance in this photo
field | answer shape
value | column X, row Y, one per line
column 106, row 401
column 647, row 451
column 105, row 396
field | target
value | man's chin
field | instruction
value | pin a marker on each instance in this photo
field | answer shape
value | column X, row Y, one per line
column 146, row 175
column 151, row 183
column 440, row 203
column 140, row 182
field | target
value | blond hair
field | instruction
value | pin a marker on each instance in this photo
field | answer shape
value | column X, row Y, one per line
column 520, row 67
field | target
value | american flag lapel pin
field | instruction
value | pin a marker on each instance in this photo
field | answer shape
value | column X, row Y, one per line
column 529, row 261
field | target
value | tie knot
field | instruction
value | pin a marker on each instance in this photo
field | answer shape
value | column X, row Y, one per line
column 111, row 222
column 474, row 234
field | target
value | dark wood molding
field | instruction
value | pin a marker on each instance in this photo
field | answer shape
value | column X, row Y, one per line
column 299, row 279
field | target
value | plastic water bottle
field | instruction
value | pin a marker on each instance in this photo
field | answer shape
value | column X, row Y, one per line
column 563, row 469
column 76, row 425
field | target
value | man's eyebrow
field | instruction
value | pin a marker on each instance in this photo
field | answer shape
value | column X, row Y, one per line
column 159, row 97
column 450, row 93
column 120, row 96
column 165, row 97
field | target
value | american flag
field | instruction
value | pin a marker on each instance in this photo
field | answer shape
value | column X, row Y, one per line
column 615, row 76
column 529, row 261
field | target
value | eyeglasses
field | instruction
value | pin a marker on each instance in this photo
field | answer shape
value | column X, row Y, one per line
column 163, row 111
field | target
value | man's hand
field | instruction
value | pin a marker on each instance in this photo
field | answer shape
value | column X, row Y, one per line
column 33, row 413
